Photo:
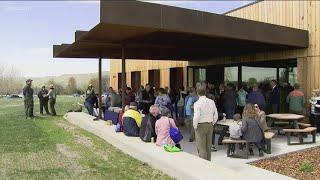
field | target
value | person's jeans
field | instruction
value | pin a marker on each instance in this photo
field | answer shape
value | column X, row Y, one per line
column 222, row 130
column 89, row 107
column 189, row 120
column 229, row 113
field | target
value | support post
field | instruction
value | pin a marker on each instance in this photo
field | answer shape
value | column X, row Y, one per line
column 100, row 88
column 123, row 77
column 239, row 74
column 278, row 74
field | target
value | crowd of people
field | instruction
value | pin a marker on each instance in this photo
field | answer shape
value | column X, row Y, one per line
column 150, row 113
column 46, row 97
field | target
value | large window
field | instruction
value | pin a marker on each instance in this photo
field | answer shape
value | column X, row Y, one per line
column 199, row 74
column 253, row 75
column 288, row 75
column 231, row 75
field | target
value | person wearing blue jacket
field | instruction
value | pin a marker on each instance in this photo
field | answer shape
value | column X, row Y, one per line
column 189, row 111
column 256, row 97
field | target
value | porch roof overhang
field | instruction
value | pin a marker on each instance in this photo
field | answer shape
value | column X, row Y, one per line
column 160, row 32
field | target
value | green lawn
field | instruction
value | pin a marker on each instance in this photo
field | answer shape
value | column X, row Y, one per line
column 50, row 148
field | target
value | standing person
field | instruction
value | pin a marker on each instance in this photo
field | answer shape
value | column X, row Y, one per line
column 162, row 101
column 90, row 99
column 205, row 116
column 28, row 98
column 52, row 95
column 275, row 96
column 296, row 101
column 256, row 97
column 189, row 110
column 241, row 99
column 147, row 99
column 229, row 101
column 43, row 100
column 219, row 99
column 129, row 96
column 211, row 92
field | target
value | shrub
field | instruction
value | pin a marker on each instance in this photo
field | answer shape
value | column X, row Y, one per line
column 306, row 167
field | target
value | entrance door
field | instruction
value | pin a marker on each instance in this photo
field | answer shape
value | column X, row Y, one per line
column 154, row 78
column 135, row 80
column 215, row 74
column 176, row 78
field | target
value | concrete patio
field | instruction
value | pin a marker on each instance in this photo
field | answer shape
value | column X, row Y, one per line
column 186, row 165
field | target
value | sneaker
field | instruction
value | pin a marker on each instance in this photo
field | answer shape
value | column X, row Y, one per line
column 213, row 149
column 95, row 119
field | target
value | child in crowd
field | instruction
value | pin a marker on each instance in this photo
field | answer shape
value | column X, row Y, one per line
column 235, row 131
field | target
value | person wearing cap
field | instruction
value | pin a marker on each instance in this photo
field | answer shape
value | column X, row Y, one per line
column 132, row 121
column 52, row 95
column 90, row 99
column 43, row 100
column 28, row 98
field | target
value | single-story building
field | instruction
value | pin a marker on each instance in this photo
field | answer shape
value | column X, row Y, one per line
column 177, row 47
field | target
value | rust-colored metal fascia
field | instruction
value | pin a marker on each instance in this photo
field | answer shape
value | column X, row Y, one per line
column 174, row 19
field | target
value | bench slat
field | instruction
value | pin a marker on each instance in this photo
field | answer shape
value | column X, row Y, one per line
column 308, row 129
column 229, row 141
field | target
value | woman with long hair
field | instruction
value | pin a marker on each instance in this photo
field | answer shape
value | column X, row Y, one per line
column 251, row 128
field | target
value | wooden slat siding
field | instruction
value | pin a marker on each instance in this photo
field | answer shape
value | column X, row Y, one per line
column 164, row 77
column 300, row 14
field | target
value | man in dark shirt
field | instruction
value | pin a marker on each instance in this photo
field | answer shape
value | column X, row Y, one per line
column 43, row 100
column 90, row 99
column 28, row 98
column 275, row 96
column 147, row 99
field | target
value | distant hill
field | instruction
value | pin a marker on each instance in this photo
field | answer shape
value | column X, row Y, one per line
column 82, row 79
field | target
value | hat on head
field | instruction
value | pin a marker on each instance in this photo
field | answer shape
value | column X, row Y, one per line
column 29, row 80
column 133, row 105
column 90, row 85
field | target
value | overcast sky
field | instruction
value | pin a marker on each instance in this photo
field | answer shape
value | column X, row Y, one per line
column 30, row 28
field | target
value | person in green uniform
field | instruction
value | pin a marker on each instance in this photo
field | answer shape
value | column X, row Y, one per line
column 52, row 95
column 43, row 100
column 28, row 98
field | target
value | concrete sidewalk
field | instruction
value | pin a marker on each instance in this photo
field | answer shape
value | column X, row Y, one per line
column 180, row 165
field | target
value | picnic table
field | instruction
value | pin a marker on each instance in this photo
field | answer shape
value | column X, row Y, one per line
column 268, row 135
column 227, row 122
column 287, row 118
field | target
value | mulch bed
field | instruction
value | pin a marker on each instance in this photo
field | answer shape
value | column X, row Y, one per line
column 292, row 164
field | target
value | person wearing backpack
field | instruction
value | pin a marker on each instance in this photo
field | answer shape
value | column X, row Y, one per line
column 147, row 129
column 162, row 128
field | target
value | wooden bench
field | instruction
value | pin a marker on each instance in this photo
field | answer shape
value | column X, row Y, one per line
column 230, row 142
column 268, row 136
column 304, row 125
column 300, row 133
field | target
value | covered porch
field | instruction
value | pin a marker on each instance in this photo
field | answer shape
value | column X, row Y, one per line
column 141, row 30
